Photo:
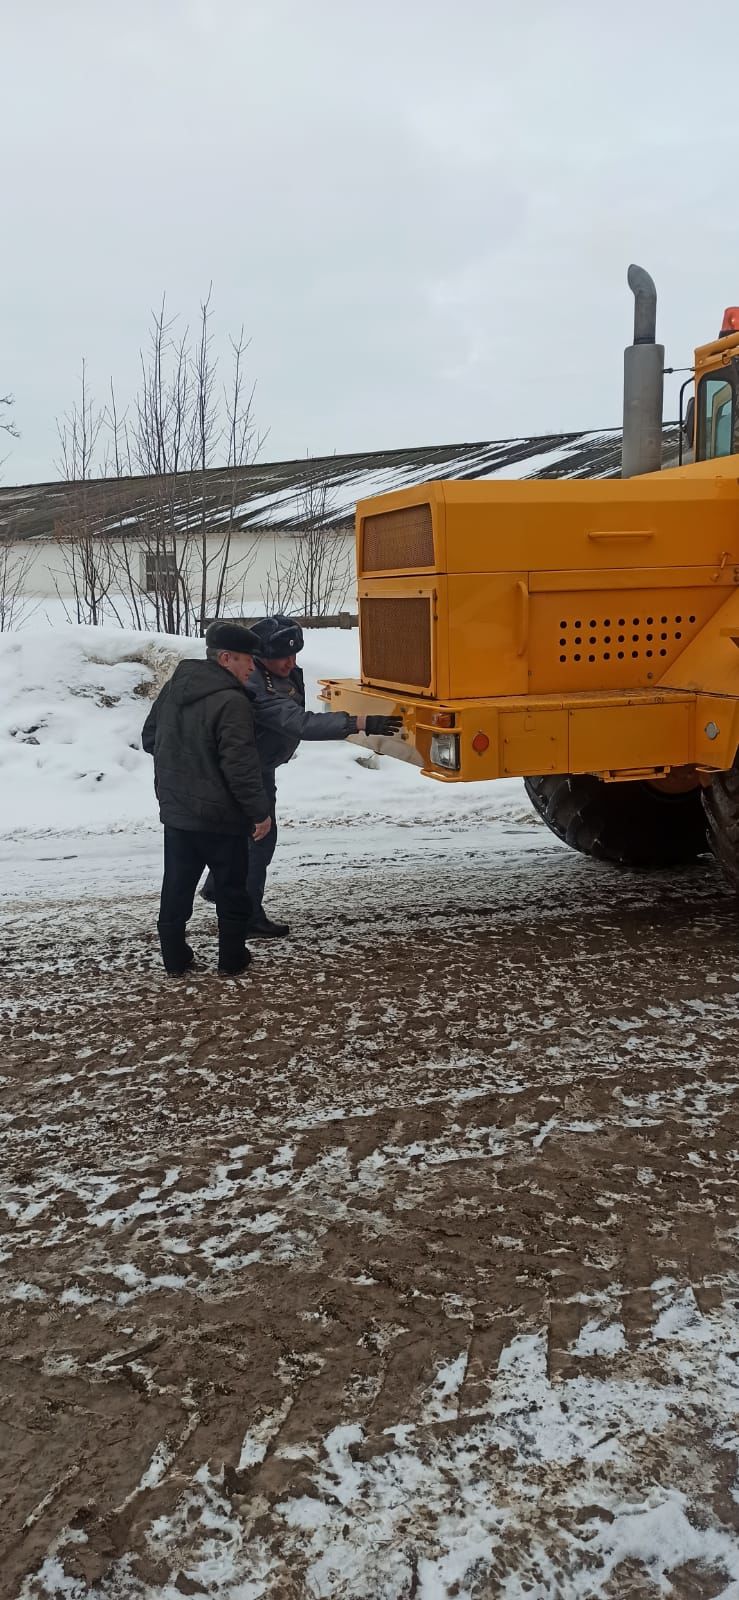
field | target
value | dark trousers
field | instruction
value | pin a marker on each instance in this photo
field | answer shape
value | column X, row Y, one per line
column 186, row 853
column 261, row 852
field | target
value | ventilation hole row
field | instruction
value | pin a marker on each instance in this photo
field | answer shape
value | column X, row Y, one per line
column 620, row 639
column 622, row 623
column 615, row 655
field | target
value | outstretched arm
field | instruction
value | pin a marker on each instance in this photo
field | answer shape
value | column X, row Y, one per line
column 285, row 716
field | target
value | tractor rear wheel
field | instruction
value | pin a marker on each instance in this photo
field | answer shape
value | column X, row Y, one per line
column 635, row 824
column 721, row 805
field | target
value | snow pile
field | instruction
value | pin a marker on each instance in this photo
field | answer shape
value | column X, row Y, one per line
column 73, row 704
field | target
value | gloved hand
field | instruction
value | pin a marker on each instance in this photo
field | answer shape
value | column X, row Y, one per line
column 384, row 725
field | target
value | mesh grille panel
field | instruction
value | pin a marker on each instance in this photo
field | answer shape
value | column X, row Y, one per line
column 396, row 641
column 398, row 539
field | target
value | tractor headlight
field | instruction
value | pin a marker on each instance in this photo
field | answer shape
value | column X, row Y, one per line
column 445, row 751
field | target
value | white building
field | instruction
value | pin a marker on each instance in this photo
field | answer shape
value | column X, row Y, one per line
column 278, row 535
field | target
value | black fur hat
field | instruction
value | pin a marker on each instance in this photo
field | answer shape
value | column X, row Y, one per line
column 225, row 635
column 278, row 636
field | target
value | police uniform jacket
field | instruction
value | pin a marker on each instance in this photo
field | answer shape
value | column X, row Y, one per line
column 281, row 720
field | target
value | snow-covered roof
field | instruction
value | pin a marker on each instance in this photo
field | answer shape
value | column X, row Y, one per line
column 281, row 495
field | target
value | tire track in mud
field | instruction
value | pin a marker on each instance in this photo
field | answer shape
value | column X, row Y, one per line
column 240, row 1218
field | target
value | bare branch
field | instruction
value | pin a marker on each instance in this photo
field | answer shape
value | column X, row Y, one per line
column 16, row 605
column 167, row 559
column 7, row 424
column 315, row 579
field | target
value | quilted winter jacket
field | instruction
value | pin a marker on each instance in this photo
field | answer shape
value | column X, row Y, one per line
column 200, row 731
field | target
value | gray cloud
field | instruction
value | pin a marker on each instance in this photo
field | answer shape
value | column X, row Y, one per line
column 421, row 213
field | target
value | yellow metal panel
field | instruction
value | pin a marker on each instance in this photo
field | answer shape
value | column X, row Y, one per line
column 612, row 733
column 613, row 639
column 590, row 700
column 718, row 576
column 533, row 742
column 488, row 622
column 664, row 520
column 718, row 351
column 630, row 737
column 724, row 467
column 711, row 662
column 716, row 732
column 346, row 694
column 468, row 724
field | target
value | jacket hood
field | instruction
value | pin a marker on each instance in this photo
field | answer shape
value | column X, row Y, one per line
column 195, row 680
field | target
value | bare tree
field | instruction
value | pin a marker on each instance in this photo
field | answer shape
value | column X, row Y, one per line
column 224, row 578
column 178, row 567
column 80, row 531
column 314, row 579
column 16, row 606
column 279, row 592
column 7, row 425
column 164, row 555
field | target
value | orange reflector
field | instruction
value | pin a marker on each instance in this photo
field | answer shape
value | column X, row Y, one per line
column 442, row 719
column 480, row 743
column 730, row 323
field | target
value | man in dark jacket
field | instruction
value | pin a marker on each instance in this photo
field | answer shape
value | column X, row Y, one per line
column 280, row 723
column 208, row 782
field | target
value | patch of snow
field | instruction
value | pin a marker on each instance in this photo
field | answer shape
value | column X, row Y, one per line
column 257, row 1440
column 447, row 1383
column 25, row 1291
column 679, row 1314
column 596, row 1340
column 76, row 1296
column 158, row 1467
column 660, row 1537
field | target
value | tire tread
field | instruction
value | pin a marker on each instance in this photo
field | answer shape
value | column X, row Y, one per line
column 640, row 828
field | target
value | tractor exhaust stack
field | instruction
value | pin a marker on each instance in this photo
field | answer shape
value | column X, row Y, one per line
column 644, row 361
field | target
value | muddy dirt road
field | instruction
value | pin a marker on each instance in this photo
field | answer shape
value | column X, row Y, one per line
column 406, row 1268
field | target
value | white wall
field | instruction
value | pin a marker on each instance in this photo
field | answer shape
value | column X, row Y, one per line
column 254, row 559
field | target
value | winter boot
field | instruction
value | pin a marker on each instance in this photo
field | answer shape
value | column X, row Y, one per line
column 234, row 972
column 233, row 956
column 176, row 953
column 261, row 927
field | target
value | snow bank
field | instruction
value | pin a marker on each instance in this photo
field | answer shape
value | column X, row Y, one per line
column 74, row 701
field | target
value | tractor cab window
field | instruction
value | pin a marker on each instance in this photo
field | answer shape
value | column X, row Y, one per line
column 715, row 417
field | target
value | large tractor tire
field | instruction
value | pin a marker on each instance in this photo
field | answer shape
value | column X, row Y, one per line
column 721, row 805
column 638, row 825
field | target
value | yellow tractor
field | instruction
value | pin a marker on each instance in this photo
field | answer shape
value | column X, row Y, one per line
column 583, row 636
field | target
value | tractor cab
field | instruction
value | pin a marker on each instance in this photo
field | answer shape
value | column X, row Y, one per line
column 713, row 419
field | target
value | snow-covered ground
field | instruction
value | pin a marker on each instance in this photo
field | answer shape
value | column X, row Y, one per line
column 406, row 1267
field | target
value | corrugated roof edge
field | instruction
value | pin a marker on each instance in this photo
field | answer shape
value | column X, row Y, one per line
column 272, row 495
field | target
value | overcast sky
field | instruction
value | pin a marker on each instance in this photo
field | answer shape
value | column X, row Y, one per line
column 421, row 211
